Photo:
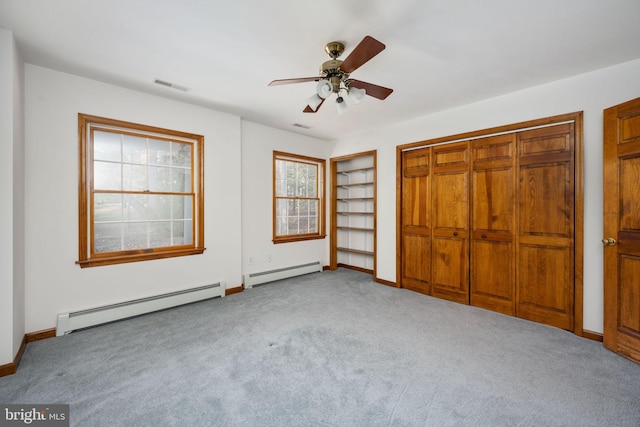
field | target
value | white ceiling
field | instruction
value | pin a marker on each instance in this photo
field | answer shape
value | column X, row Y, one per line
column 439, row 53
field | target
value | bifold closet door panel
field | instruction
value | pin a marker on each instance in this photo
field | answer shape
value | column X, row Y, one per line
column 546, row 220
column 450, row 210
column 493, row 224
column 416, row 220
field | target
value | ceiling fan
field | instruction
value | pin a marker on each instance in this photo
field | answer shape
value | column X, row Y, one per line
column 334, row 76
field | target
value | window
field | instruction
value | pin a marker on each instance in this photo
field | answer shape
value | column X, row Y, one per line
column 141, row 192
column 299, row 204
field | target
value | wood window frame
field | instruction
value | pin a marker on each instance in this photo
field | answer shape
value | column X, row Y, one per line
column 87, row 256
column 321, row 196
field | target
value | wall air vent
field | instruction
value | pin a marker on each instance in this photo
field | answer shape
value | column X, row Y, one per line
column 171, row 85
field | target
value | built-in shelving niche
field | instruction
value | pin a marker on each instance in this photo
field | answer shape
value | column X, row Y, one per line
column 353, row 212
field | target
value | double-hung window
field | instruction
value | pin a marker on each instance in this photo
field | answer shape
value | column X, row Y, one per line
column 141, row 192
column 299, row 202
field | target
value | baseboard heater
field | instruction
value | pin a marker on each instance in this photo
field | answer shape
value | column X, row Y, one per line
column 281, row 273
column 68, row 322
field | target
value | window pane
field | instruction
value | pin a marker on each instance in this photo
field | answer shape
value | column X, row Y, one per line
column 180, row 180
column 303, row 224
column 135, row 235
column 311, row 189
column 159, row 178
column 135, row 149
column 134, row 177
column 135, row 207
column 292, row 225
column 107, row 207
column 292, row 208
column 292, row 170
column 281, row 187
column 107, row 176
column 303, row 207
column 106, row 146
column 159, row 206
column 182, row 234
column 159, row 234
column 181, row 155
column 182, row 207
column 159, row 152
column 107, row 237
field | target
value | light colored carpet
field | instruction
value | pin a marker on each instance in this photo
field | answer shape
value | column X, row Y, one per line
column 328, row 349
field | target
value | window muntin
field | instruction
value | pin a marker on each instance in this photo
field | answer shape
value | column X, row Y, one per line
column 298, row 198
column 140, row 192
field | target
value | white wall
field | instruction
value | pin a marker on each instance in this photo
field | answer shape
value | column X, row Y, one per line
column 258, row 144
column 18, row 202
column 591, row 93
column 6, row 193
column 54, row 283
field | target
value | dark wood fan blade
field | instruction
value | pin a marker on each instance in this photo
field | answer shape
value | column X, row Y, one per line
column 289, row 81
column 367, row 49
column 310, row 110
column 376, row 91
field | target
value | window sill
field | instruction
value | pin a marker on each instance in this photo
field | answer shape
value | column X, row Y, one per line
column 121, row 259
column 296, row 239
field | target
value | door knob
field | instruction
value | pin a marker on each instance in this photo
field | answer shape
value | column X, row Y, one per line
column 609, row 242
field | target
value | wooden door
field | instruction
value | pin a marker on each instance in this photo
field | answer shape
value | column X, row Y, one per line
column 545, row 251
column 493, row 223
column 416, row 221
column 622, row 229
column 450, row 210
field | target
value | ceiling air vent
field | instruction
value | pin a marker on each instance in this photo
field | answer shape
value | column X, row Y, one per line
column 298, row 125
column 171, row 85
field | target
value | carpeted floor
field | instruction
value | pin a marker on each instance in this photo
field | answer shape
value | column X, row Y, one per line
column 328, row 349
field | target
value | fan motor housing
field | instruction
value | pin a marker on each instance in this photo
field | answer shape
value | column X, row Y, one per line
column 331, row 66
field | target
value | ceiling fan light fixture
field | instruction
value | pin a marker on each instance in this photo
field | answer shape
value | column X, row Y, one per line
column 356, row 94
column 341, row 106
column 314, row 101
column 324, row 88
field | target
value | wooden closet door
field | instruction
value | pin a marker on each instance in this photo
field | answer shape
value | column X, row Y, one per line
column 493, row 223
column 545, row 252
column 416, row 221
column 450, row 207
column 622, row 229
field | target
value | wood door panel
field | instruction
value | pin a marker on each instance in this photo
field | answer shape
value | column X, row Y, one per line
column 630, row 194
column 450, row 269
column 546, row 140
column 630, row 128
column 498, row 148
column 629, row 293
column 493, row 207
column 453, row 155
column 416, row 271
column 492, row 276
column 416, row 162
column 545, row 286
column 415, row 205
column 545, row 204
column 451, row 200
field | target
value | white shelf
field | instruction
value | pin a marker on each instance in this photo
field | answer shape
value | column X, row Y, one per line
column 354, row 190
